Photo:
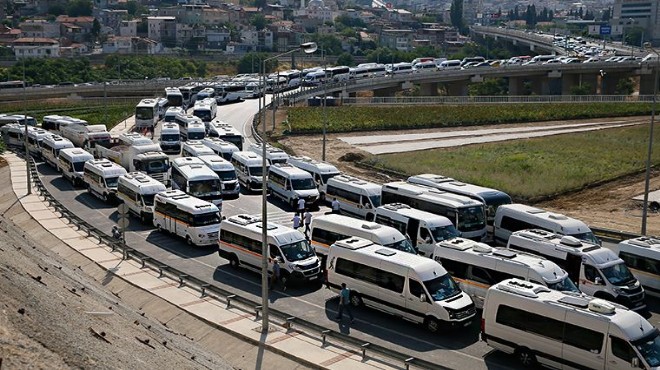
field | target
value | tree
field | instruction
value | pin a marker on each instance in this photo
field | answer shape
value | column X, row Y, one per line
column 625, row 86
column 456, row 15
column 96, row 29
column 345, row 59
column 250, row 63
column 585, row 89
column 260, row 4
column 79, row 8
column 56, row 9
column 259, row 21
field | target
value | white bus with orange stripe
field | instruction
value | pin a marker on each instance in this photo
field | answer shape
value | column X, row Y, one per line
column 240, row 242
column 191, row 218
column 477, row 266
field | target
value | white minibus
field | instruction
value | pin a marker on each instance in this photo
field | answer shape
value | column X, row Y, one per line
column 424, row 229
column 337, row 74
column 642, row 256
column 450, row 64
column 190, row 127
column 172, row 112
column 205, row 109
column 146, row 113
column 412, row 287
column 226, row 132
column 322, row 171
column 356, row 197
column 314, row 78
column 195, row 148
column 290, row 184
column 399, row 68
column 477, row 266
column 101, row 177
column 273, row 154
column 548, row 327
column 71, row 162
column 36, row 137
column 240, row 242
column 514, row 217
column 170, row 138
column 137, row 190
column 468, row 215
column 192, row 176
column 174, row 97
column 327, row 229
column 220, row 147
column 195, row 220
column 13, row 134
column 598, row 271
column 51, row 146
column 249, row 169
column 226, row 172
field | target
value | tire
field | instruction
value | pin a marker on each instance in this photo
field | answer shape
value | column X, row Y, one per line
column 285, row 278
column 526, row 357
column 233, row 261
column 431, row 324
column 104, row 197
column 356, row 300
column 189, row 241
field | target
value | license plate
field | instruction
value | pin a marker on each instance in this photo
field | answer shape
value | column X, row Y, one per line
column 467, row 323
column 314, row 277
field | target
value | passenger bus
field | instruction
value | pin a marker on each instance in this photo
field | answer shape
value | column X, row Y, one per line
column 195, row 220
column 174, row 97
column 138, row 190
column 146, row 113
column 194, row 177
column 338, row 74
column 226, row 132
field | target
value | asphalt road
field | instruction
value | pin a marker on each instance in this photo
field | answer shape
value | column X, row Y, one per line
column 457, row 349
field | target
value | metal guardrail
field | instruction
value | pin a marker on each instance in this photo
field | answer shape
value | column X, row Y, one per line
column 230, row 299
column 504, row 99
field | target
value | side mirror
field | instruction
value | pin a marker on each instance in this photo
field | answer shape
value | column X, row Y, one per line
column 634, row 362
column 422, row 297
column 598, row 281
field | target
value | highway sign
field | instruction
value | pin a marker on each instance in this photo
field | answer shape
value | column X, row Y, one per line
column 605, row 30
column 123, row 222
column 122, row 209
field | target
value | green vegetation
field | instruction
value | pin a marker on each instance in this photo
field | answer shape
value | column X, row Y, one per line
column 309, row 120
column 94, row 113
column 532, row 168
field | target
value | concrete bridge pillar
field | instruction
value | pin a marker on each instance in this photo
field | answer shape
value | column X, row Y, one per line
column 609, row 81
column 428, row 89
column 459, row 88
column 646, row 84
column 385, row 92
column 516, row 86
column 589, row 80
column 568, row 81
column 540, row 86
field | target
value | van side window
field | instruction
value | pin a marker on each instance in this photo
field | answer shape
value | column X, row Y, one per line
column 481, row 275
column 415, row 288
column 530, row 322
column 621, row 349
column 641, row 263
column 590, row 273
column 583, row 338
column 424, row 234
column 326, row 237
column 391, row 281
column 512, row 224
column 454, row 268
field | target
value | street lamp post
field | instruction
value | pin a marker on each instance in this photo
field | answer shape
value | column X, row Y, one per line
column 25, row 121
column 308, row 48
column 647, row 177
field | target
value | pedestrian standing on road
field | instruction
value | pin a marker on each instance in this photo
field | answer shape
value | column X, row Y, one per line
column 275, row 278
column 335, row 206
column 296, row 221
column 301, row 206
column 308, row 221
column 344, row 303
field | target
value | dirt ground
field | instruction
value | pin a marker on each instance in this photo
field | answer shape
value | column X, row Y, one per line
column 608, row 206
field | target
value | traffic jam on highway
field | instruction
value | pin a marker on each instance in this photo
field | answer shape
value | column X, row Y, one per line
column 431, row 250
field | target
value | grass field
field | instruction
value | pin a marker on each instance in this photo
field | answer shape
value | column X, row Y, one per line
column 532, row 168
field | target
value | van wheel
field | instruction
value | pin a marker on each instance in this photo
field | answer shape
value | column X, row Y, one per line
column 432, row 324
column 189, row 240
column 284, row 278
column 526, row 357
column 233, row 261
column 370, row 217
column 356, row 300
column 104, row 197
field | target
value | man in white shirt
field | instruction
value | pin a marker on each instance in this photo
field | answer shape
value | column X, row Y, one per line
column 335, row 206
column 301, row 206
column 308, row 221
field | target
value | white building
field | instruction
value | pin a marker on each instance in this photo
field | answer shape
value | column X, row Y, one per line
column 36, row 47
column 638, row 13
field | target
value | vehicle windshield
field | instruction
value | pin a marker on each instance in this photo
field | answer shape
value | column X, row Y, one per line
column 156, row 166
column 174, row 100
column 471, row 218
column 236, row 140
column 111, row 182
column 195, row 135
column 204, row 115
column 649, row 348
column 226, row 175
column 203, row 187
column 104, row 142
column 169, row 137
column 148, row 199
column 403, row 245
column 441, row 233
column 303, row 184
column 328, row 176
column 565, row 285
column 297, row 251
column 442, row 287
column 618, row 274
column 206, row 219
column 144, row 113
column 587, row 237
column 255, row 171
column 375, row 200
column 492, row 203
column 78, row 166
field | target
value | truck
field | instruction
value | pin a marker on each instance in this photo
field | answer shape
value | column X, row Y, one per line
column 148, row 158
column 87, row 137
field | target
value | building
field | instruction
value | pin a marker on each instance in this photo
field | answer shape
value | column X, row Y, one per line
column 638, row 13
column 128, row 28
column 397, row 39
column 40, row 28
column 162, row 29
column 36, row 47
column 113, row 18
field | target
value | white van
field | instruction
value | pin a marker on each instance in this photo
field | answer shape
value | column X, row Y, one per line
column 328, row 229
column 249, row 168
column 403, row 284
column 539, row 325
column 13, row 134
column 226, row 132
column 273, row 154
column 514, row 217
column 195, row 220
column 399, row 68
column 226, row 172
column 170, row 138
column 598, row 271
column 36, row 137
column 314, row 78
column 138, row 190
column 172, row 112
column 101, row 177
column 71, row 162
column 642, row 256
column 194, row 177
column 195, row 148
column 322, row 171
column 424, row 229
column 477, row 266
column 220, row 147
column 356, row 197
column 240, row 243
column 205, row 109
column 449, row 65
column 290, row 184
column 51, row 146
column 190, row 127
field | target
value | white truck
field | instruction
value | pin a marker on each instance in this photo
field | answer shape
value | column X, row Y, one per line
column 147, row 158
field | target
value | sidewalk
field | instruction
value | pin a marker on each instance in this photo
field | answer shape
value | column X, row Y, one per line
column 209, row 318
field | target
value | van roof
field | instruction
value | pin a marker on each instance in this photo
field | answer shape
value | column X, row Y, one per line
column 432, row 194
column 452, row 185
column 106, row 167
column 642, row 246
column 567, row 225
column 346, row 181
column 253, row 225
column 197, row 147
column 249, row 157
column 187, row 202
column 290, row 170
column 142, row 181
column 405, row 210
column 216, row 162
column 312, row 165
column 627, row 321
column 76, row 153
column 362, row 228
